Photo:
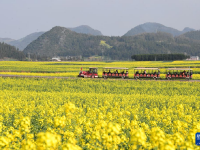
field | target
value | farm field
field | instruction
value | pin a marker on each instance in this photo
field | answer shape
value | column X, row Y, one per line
column 71, row 69
column 98, row 114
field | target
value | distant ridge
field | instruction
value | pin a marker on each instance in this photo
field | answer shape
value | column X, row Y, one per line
column 187, row 29
column 86, row 30
column 155, row 27
column 6, row 40
column 22, row 43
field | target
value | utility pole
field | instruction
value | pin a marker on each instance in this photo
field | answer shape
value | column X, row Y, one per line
column 102, row 54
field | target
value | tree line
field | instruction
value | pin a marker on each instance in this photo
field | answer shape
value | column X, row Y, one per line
column 10, row 52
column 159, row 57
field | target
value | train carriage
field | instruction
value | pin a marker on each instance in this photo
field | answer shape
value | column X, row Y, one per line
column 91, row 73
column 113, row 72
column 147, row 73
column 179, row 73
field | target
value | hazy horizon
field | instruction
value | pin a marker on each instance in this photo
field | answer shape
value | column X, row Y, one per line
column 112, row 18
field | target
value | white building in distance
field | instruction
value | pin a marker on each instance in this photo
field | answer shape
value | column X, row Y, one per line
column 56, row 59
column 193, row 58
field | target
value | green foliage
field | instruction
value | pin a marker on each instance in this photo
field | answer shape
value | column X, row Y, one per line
column 10, row 52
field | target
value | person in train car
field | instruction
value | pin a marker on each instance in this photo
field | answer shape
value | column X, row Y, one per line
column 190, row 73
column 184, row 72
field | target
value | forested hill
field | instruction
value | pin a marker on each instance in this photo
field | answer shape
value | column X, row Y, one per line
column 194, row 35
column 155, row 27
column 64, row 42
column 8, row 51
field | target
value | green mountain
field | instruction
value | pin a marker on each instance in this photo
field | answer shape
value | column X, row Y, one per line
column 194, row 35
column 6, row 40
column 8, row 51
column 22, row 43
column 155, row 27
column 85, row 30
column 64, row 42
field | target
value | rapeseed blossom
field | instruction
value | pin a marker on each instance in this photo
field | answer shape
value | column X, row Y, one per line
column 39, row 114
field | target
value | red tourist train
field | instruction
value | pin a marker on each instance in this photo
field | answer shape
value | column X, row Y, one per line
column 147, row 73
column 91, row 73
column 112, row 72
column 151, row 73
column 178, row 73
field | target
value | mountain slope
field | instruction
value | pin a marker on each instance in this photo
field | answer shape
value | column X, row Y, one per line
column 155, row 27
column 6, row 40
column 10, row 52
column 64, row 42
column 22, row 43
column 86, row 30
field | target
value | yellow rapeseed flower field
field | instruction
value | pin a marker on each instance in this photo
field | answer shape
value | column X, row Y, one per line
column 75, row 114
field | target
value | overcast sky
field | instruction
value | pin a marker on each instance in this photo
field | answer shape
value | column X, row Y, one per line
column 112, row 17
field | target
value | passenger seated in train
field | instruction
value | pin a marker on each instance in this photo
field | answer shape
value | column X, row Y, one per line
column 158, row 72
column 183, row 73
column 144, row 72
column 154, row 73
column 137, row 72
column 116, row 71
column 109, row 71
column 168, row 73
column 122, row 72
column 126, row 71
